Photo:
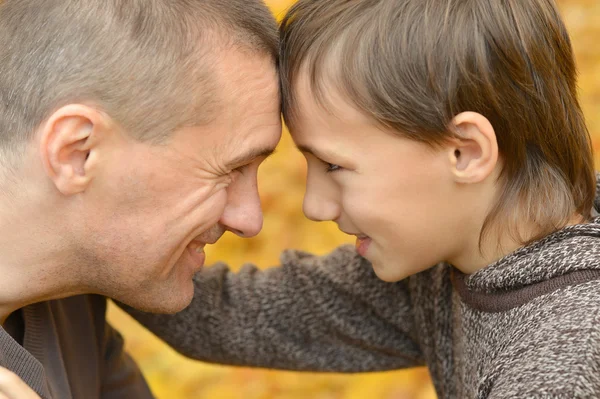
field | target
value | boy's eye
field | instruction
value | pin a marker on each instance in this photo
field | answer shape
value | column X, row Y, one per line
column 331, row 167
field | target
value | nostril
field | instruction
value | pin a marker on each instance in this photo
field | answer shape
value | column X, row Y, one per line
column 237, row 232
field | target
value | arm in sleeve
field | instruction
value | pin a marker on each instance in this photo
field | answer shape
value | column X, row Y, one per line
column 311, row 313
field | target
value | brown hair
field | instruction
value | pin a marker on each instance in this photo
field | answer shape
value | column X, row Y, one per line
column 413, row 65
column 146, row 63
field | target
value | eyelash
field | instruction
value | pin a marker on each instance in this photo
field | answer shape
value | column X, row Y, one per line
column 240, row 169
column 234, row 172
column 331, row 167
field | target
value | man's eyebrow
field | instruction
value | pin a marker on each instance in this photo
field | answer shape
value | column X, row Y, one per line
column 244, row 159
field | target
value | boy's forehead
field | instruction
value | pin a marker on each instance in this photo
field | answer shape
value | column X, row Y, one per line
column 324, row 106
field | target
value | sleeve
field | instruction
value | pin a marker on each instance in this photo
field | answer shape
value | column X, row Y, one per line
column 121, row 377
column 310, row 313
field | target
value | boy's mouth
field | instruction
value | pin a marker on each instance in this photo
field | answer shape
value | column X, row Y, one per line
column 362, row 242
column 362, row 245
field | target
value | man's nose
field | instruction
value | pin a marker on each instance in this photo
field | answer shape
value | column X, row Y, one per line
column 243, row 214
column 321, row 202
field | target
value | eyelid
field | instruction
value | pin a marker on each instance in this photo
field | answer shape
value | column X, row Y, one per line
column 329, row 166
column 332, row 167
column 258, row 161
column 240, row 169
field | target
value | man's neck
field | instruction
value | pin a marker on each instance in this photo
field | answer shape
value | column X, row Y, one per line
column 33, row 264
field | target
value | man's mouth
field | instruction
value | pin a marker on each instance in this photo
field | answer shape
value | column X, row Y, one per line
column 196, row 251
column 196, row 246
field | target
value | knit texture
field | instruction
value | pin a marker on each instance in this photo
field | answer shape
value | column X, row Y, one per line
column 69, row 351
column 525, row 326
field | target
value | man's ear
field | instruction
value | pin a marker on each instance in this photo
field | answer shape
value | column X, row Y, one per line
column 67, row 143
column 474, row 153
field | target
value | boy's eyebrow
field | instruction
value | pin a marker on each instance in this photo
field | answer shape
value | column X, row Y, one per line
column 322, row 155
column 306, row 149
column 248, row 157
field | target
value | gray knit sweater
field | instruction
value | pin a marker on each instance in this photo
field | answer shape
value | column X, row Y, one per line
column 525, row 326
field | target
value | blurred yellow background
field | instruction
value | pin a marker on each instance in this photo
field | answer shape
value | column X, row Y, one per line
column 282, row 184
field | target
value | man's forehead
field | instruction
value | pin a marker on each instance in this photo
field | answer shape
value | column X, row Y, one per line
column 248, row 126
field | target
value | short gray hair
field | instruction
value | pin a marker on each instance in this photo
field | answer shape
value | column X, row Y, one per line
column 146, row 63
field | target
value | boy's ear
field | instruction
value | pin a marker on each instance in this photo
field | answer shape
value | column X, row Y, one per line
column 67, row 143
column 474, row 154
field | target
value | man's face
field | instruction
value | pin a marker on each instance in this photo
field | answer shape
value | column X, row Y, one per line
column 145, row 240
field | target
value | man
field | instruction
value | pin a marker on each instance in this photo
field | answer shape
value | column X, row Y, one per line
column 130, row 136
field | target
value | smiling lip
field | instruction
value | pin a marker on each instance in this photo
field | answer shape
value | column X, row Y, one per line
column 362, row 242
column 362, row 245
column 196, row 251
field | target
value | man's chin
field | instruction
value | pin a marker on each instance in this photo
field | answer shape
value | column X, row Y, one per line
column 161, row 303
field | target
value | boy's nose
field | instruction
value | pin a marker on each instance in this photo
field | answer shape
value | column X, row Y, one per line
column 320, row 205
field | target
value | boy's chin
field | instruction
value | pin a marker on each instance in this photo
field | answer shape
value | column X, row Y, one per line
column 387, row 272
column 393, row 272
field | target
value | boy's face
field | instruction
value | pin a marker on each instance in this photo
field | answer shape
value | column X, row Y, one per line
column 396, row 195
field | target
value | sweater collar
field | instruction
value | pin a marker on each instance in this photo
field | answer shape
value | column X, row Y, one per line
column 571, row 249
column 16, row 358
column 571, row 255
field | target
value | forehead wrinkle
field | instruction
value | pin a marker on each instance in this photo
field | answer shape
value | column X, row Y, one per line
column 251, row 86
column 255, row 94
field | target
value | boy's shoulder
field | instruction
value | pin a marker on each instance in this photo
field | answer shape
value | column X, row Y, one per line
column 555, row 349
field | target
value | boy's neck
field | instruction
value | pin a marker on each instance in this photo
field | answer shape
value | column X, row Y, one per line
column 495, row 247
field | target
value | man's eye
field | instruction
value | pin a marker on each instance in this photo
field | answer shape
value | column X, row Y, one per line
column 331, row 167
column 240, row 169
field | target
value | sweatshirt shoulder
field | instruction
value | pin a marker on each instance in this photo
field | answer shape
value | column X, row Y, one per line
column 555, row 352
